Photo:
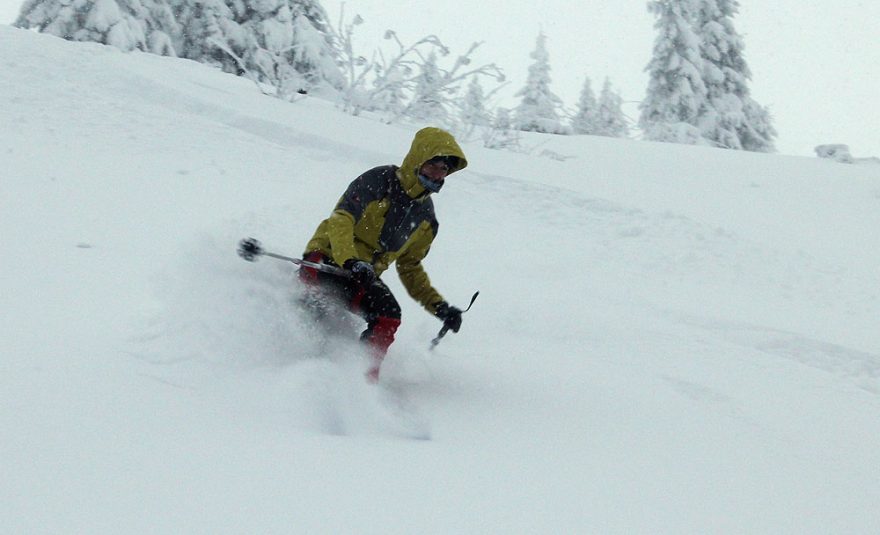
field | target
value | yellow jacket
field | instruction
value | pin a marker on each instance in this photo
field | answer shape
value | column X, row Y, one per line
column 386, row 216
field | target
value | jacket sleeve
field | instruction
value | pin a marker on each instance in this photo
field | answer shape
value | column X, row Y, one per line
column 349, row 209
column 413, row 276
column 340, row 232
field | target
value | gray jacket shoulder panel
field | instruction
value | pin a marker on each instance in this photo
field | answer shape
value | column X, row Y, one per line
column 372, row 185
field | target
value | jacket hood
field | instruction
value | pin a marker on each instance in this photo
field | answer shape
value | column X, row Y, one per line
column 428, row 143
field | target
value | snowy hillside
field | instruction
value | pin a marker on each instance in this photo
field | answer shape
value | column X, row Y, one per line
column 668, row 339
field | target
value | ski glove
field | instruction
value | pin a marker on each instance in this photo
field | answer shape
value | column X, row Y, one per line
column 450, row 315
column 361, row 272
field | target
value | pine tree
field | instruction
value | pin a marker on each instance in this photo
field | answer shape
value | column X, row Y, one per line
column 539, row 109
column 283, row 45
column 502, row 134
column 732, row 119
column 389, row 95
column 315, row 54
column 611, row 121
column 146, row 25
column 211, row 34
column 283, row 42
column 676, row 93
column 757, row 132
column 428, row 103
column 268, row 54
column 586, row 117
column 472, row 110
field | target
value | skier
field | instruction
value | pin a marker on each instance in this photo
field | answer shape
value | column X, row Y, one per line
column 386, row 215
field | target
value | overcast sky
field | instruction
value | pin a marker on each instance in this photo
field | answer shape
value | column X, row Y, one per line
column 815, row 63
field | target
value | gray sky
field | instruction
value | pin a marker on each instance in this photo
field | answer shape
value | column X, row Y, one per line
column 815, row 63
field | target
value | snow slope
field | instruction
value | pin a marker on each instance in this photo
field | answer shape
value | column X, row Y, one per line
column 668, row 339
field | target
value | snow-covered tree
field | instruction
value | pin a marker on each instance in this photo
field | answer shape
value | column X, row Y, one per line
column 731, row 119
column 314, row 53
column 408, row 82
column 757, row 132
column 610, row 119
column 434, row 88
column 428, row 103
column 389, row 92
column 211, row 34
column 472, row 108
column 502, row 135
column 355, row 68
column 266, row 45
column 384, row 83
column 284, row 45
column 676, row 93
column 146, row 25
column 585, row 119
column 282, row 42
column 539, row 108
column 472, row 115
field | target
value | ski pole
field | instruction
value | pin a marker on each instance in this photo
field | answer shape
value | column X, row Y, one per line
column 445, row 328
column 250, row 249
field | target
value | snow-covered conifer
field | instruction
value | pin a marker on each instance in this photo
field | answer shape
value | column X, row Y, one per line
column 676, row 91
column 210, row 34
column 584, row 120
column 502, row 135
column 428, row 103
column 610, row 120
column 731, row 119
column 269, row 45
column 146, row 25
column 315, row 55
column 539, row 108
column 389, row 94
column 284, row 44
column 472, row 109
column 757, row 132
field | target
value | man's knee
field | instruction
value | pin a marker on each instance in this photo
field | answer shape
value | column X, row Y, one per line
column 380, row 302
